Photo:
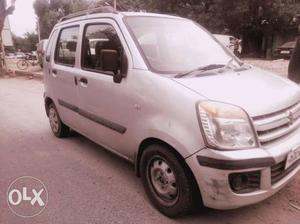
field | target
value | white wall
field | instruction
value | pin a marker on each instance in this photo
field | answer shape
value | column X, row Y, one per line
column 6, row 34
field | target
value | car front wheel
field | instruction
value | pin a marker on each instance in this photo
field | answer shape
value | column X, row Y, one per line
column 167, row 182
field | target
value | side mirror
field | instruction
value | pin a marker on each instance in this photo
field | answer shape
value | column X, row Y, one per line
column 71, row 46
column 110, row 62
column 124, row 65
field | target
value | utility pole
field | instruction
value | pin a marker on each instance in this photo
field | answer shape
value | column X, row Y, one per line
column 115, row 4
column 38, row 28
column 3, row 61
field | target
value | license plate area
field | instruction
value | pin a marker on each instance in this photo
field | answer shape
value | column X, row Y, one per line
column 292, row 157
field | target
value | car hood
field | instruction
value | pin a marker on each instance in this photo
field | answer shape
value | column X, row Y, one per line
column 257, row 91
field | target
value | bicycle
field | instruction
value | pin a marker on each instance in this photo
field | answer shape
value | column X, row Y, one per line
column 23, row 64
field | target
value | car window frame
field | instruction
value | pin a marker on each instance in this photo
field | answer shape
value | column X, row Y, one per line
column 51, row 42
column 85, row 26
column 57, row 41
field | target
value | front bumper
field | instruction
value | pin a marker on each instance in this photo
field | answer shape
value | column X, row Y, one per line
column 212, row 168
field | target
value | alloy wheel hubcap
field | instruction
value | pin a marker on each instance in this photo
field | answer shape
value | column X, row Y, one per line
column 53, row 118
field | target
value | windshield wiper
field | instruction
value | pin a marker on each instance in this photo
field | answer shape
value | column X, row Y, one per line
column 201, row 69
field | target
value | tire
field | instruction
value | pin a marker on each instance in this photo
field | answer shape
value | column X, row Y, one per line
column 58, row 128
column 22, row 64
column 168, row 183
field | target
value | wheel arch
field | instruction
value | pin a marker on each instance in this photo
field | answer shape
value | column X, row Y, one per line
column 152, row 141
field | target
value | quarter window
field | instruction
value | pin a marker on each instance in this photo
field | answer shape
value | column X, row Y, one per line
column 50, row 44
column 97, row 39
column 66, row 46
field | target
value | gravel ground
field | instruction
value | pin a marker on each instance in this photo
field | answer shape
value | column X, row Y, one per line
column 279, row 66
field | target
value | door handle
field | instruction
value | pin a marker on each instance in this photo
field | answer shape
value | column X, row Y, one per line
column 54, row 73
column 83, row 82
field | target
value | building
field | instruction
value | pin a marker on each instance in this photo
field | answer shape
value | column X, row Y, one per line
column 6, row 34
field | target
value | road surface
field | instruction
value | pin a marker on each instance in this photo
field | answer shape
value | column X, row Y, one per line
column 87, row 184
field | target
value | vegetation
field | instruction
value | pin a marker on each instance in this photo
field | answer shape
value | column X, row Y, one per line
column 49, row 12
column 26, row 43
column 255, row 21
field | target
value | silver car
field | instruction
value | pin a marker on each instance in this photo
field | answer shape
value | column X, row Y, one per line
column 200, row 126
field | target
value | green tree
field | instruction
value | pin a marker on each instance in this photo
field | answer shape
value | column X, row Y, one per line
column 27, row 43
column 49, row 12
column 256, row 21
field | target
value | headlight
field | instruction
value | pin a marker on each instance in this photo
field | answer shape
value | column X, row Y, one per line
column 226, row 126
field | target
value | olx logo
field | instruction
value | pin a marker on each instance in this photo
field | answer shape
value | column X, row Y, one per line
column 23, row 196
column 27, row 197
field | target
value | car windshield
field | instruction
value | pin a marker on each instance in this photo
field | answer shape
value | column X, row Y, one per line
column 172, row 45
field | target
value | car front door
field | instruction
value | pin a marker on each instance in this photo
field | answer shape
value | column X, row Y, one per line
column 102, row 101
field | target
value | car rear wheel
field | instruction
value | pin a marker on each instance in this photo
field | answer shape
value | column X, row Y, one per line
column 58, row 128
column 167, row 181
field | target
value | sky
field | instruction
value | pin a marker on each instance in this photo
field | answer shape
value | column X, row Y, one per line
column 23, row 19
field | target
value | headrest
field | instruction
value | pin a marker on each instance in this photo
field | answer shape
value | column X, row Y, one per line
column 71, row 46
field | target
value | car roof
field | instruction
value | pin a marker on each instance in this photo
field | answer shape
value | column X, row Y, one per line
column 142, row 14
column 115, row 15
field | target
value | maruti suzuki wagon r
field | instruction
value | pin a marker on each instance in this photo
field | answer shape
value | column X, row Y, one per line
column 199, row 125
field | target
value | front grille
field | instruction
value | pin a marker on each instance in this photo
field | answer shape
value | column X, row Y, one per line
column 277, row 125
column 278, row 171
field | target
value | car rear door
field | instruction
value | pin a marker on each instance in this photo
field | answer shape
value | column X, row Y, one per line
column 61, row 75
